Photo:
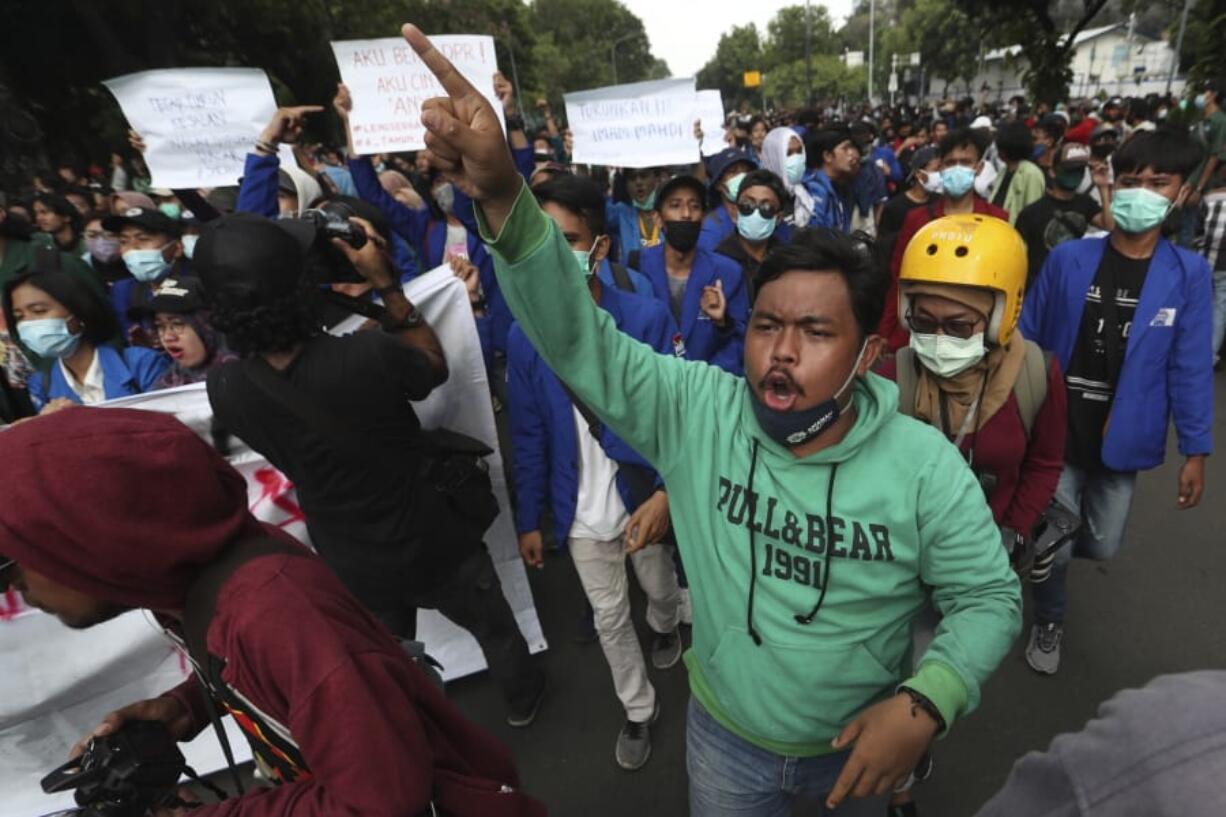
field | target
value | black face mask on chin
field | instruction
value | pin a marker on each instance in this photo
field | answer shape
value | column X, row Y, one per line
column 682, row 236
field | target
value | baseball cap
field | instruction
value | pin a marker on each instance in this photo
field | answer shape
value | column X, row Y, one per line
column 1073, row 155
column 677, row 182
column 718, row 164
column 981, row 122
column 148, row 218
column 248, row 255
column 1113, row 102
column 178, row 295
column 1105, row 129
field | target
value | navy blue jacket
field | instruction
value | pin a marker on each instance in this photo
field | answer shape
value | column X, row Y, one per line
column 717, row 226
column 1168, row 362
column 134, row 370
column 544, row 433
column 703, row 341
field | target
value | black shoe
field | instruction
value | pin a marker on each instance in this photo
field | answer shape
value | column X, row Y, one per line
column 634, row 742
column 522, row 718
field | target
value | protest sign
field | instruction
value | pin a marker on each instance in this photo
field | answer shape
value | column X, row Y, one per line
column 198, row 124
column 389, row 83
column 644, row 124
column 69, row 679
column 709, row 110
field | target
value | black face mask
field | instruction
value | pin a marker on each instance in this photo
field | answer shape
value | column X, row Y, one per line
column 682, row 236
column 795, row 428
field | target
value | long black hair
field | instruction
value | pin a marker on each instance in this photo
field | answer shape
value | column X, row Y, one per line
column 98, row 321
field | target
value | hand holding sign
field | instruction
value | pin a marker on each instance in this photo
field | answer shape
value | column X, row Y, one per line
column 713, row 304
column 286, row 124
column 464, row 138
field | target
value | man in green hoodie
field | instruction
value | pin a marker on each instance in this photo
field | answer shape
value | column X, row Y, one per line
column 815, row 522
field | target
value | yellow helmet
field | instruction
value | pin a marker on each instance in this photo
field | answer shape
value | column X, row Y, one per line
column 973, row 251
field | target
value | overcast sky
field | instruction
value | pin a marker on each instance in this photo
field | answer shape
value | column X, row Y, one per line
column 684, row 33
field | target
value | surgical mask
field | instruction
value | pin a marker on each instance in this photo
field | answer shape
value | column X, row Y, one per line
column 583, row 258
column 682, row 236
column 1069, row 179
column 794, row 167
column 189, row 245
column 1201, row 101
column 48, row 337
column 983, row 182
column 647, row 204
column 444, row 197
column 733, row 186
column 1038, row 151
column 946, row 355
column 170, row 209
column 957, row 180
column 145, row 265
column 102, row 248
column 755, row 227
column 1138, row 210
column 795, row 428
column 932, row 183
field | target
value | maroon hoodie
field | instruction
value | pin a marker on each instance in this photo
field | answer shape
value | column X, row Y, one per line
column 127, row 506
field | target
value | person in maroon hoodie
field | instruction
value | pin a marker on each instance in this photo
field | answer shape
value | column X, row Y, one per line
column 118, row 509
column 968, row 371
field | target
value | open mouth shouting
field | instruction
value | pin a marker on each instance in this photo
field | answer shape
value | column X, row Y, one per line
column 779, row 391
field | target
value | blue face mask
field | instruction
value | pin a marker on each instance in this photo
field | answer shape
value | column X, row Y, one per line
column 648, row 204
column 794, row 167
column 145, row 265
column 957, row 181
column 170, row 209
column 583, row 259
column 1038, row 151
column 48, row 337
column 189, row 245
column 755, row 227
column 1201, row 101
column 1137, row 210
column 733, row 186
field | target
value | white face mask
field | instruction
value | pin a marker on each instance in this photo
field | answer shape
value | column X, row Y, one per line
column 932, row 183
column 945, row 355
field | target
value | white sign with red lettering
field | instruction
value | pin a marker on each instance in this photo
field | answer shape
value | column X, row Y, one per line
column 389, row 83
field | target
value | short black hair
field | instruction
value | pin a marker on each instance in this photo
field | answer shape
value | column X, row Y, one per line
column 821, row 250
column 98, row 321
column 817, row 145
column 765, row 178
column 578, row 195
column 1015, row 142
column 960, row 138
column 1163, row 150
column 61, row 206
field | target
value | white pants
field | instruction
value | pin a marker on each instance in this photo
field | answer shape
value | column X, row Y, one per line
column 602, row 571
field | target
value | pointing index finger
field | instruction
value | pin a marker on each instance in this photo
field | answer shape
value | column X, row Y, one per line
column 453, row 81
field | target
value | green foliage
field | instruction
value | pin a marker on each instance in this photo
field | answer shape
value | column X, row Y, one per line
column 739, row 50
column 1203, row 54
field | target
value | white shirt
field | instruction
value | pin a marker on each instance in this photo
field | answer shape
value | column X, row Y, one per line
column 89, row 390
column 600, row 513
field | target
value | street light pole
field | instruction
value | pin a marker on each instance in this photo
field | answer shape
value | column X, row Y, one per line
column 613, row 51
column 1183, row 23
column 872, row 21
column 808, row 56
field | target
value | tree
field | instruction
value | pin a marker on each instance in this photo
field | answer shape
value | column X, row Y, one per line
column 1045, row 43
column 948, row 42
column 739, row 50
column 785, row 35
column 1203, row 56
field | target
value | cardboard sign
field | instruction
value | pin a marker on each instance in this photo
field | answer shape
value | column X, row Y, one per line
column 389, row 83
column 198, row 124
column 709, row 110
column 644, row 124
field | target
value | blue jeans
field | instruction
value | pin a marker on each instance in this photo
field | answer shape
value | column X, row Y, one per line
column 1104, row 499
column 731, row 777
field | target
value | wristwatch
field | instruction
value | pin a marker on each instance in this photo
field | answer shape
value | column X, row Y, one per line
column 410, row 321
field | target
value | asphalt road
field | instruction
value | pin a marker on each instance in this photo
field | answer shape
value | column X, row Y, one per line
column 1156, row 609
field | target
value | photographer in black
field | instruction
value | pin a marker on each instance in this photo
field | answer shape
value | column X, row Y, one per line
column 333, row 414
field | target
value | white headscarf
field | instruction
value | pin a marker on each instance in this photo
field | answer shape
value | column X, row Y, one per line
column 774, row 159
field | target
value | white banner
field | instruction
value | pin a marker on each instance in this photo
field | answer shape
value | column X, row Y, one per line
column 56, row 683
column 709, row 111
column 198, row 124
column 389, row 83
column 645, row 124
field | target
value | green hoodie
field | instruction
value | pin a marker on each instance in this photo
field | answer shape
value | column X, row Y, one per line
column 907, row 521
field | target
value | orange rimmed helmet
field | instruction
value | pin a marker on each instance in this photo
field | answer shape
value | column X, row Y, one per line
column 972, row 251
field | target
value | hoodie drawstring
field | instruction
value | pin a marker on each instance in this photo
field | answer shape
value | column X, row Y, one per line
column 753, row 552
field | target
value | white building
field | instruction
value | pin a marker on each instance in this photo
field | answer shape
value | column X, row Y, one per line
column 1105, row 59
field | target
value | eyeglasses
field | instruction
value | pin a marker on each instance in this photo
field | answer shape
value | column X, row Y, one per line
column 955, row 327
column 176, row 325
column 5, row 565
column 764, row 208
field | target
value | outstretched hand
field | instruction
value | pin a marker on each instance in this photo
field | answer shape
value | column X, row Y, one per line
column 464, row 138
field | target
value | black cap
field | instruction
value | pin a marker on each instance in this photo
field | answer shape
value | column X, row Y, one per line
column 249, row 255
column 179, row 295
column 153, row 220
column 718, row 164
column 680, row 181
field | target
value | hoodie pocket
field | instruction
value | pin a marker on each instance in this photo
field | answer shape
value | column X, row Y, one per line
column 800, row 693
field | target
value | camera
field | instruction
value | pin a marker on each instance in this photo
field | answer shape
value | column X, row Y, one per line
column 332, row 221
column 123, row 775
column 325, row 264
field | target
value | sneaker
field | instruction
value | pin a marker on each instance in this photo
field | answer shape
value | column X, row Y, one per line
column 666, row 649
column 1043, row 651
column 522, row 718
column 687, row 612
column 634, row 742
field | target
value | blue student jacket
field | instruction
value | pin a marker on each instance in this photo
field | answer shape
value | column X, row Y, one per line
column 134, row 370
column 257, row 192
column 717, row 226
column 1168, row 363
column 622, row 221
column 703, row 341
column 885, row 154
column 642, row 285
column 544, row 433
column 830, row 209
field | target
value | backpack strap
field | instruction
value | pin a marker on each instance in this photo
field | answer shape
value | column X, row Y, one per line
column 621, row 277
column 907, row 379
column 1031, row 386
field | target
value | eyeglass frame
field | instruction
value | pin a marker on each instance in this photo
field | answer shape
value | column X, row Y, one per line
column 944, row 326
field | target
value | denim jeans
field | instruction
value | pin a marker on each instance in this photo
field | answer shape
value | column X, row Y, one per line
column 731, row 777
column 1104, row 499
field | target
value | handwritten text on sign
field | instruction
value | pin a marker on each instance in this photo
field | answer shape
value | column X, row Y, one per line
column 389, row 84
column 198, row 124
column 644, row 124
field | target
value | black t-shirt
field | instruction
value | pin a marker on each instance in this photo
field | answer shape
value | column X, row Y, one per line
column 1050, row 221
column 356, row 492
column 731, row 247
column 1094, row 367
column 893, row 214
